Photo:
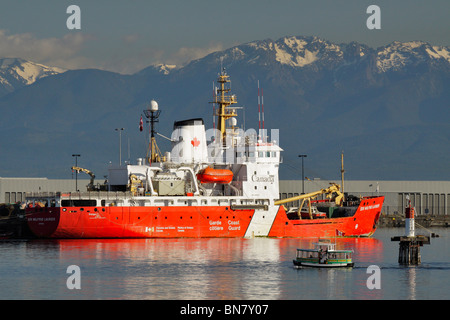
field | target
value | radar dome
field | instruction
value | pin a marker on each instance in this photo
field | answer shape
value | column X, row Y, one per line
column 153, row 105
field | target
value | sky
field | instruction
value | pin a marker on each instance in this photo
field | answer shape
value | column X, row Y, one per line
column 127, row 36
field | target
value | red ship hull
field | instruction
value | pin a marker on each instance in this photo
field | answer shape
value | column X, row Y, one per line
column 191, row 222
column 361, row 224
column 138, row 222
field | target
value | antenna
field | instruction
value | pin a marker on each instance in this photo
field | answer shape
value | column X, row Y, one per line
column 259, row 112
column 214, row 107
column 262, row 111
column 152, row 113
column 342, row 174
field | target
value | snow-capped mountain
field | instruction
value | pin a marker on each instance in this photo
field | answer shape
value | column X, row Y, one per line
column 16, row 73
column 387, row 107
column 313, row 52
column 158, row 69
column 299, row 52
column 398, row 55
column 295, row 52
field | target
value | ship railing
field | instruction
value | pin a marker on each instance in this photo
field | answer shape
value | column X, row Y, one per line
column 104, row 195
column 108, row 195
column 42, row 194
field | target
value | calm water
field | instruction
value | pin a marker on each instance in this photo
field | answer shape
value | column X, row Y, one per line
column 217, row 269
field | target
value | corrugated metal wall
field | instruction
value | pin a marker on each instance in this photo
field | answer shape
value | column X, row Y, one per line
column 13, row 189
column 429, row 197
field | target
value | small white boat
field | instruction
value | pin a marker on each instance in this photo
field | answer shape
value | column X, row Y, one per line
column 324, row 255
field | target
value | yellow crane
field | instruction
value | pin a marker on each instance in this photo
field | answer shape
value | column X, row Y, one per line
column 90, row 186
column 135, row 184
column 334, row 188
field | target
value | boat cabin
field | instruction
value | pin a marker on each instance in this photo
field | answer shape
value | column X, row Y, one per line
column 324, row 255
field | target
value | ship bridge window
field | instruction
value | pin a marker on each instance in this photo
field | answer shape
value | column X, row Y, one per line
column 78, row 203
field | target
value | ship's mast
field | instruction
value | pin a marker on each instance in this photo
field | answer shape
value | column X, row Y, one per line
column 152, row 113
column 342, row 172
column 224, row 100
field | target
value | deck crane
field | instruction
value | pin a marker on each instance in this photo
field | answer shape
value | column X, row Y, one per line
column 90, row 186
column 334, row 188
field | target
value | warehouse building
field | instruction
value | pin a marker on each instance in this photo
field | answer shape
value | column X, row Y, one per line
column 429, row 197
column 13, row 190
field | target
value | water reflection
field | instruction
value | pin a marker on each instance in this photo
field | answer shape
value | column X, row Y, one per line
column 257, row 268
column 176, row 268
column 206, row 269
column 411, row 274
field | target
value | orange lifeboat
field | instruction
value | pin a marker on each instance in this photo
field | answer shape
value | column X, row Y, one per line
column 210, row 175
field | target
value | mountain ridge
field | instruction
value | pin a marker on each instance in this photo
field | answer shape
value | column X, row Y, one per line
column 16, row 73
column 381, row 106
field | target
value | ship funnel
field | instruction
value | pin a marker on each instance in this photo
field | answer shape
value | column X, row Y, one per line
column 189, row 141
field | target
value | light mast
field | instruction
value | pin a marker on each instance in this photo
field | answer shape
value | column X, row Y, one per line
column 152, row 113
column 224, row 100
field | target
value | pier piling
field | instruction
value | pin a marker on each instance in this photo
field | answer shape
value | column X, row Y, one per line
column 409, row 250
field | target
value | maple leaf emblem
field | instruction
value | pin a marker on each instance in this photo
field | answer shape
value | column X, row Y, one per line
column 195, row 142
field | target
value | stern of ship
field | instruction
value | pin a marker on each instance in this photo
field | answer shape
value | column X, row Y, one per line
column 43, row 221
